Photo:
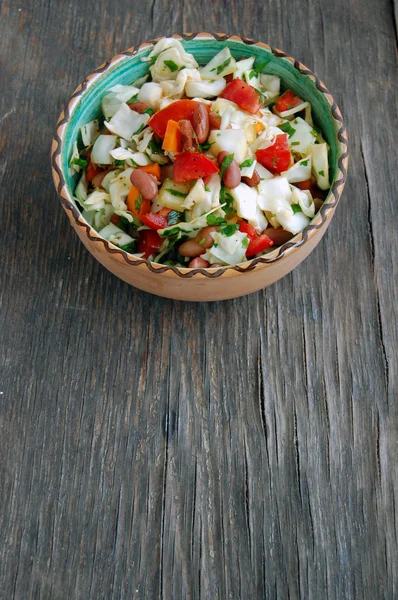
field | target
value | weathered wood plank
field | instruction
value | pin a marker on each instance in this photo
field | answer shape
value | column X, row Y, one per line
column 151, row 448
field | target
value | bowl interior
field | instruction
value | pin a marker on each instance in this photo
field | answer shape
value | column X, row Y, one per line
column 129, row 68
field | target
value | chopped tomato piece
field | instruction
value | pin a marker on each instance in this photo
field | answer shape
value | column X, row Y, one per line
column 192, row 165
column 92, row 170
column 275, row 158
column 243, row 94
column 245, row 227
column 260, row 243
column 182, row 109
column 287, row 101
column 304, row 185
column 155, row 220
column 149, row 242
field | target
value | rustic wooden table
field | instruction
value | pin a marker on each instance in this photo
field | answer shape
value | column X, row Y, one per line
column 157, row 449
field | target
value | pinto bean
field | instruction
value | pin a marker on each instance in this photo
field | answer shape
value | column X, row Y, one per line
column 214, row 121
column 190, row 248
column 145, row 183
column 253, row 180
column 232, row 174
column 204, row 234
column 279, row 236
column 198, row 263
column 139, row 107
column 188, row 138
column 201, row 122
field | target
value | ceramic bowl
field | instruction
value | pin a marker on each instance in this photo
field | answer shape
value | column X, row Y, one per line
column 201, row 284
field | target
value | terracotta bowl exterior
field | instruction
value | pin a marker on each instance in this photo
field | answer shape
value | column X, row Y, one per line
column 200, row 284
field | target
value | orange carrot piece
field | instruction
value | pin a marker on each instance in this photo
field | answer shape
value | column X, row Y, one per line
column 172, row 138
column 152, row 170
column 136, row 203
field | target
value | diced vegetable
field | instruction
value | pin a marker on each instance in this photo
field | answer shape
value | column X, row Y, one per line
column 192, row 165
column 182, row 109
column 275, row 158
column 221, row 65
column 172, row 137
column 287, row 101
column 90, row 132
column 320, row 164
column 302, row 137
column 149, row 242
column 258, row 244
column 232, row 141
column 100, row 154
column 172, row 195
column 126, row 122
column 243, row 95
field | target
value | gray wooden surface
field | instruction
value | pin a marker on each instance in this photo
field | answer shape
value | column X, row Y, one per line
column 157, row 449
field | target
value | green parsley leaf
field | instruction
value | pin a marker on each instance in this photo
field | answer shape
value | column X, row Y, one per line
column 202, row 241
column 296, row 208
column 305, row 163
column 153, row 58
column 154, row 146
column 176, row 193
column 295, row 144
column 314, row 132
column 214, row 220
column 262, row 97
column 226, row 198
column 225, row 164
column 132, row 99
column 229, row 230
column 245, row 242
column 131, row 247
column 260, row 67
column 149, row 111
column 207, row 189
column 215, row 245
column 138, row 203
column 287, row 128
column 119, row 163
column 172, row 66
column 80, row 161
column 321, row 173
column 140, row 128
column 247, row 163
column 222, row 67
column 205, row 146
column 174, row 217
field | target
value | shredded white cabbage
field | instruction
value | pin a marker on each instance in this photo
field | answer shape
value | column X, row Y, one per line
column 126, row 122
column 101, row 152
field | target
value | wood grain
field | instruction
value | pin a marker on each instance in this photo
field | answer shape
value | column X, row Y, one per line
column 158, row 449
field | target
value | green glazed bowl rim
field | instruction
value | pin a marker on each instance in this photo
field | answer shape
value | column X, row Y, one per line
column 324, row 214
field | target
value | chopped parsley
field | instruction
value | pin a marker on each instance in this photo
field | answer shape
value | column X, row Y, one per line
column 226, row 198
column 174, row 217
column 262, row 97
column 215, row 245
column 154, row 146
column 140, row 128
column 207, row 189
column 214, row 220
column 295, row 144
column 247, row 163
column 305, row 162
column 321, row 173
column 287, row 128
column 131, row 247
column 138, row 203
column 229, row 230
column 153, row 58
column 202, row 241
column 149, row 111
column 80, row 162
column 171, row 65
column 222, row 67
column 245, row 242
column 314, row 132
column 133, row 99
column 296, row 208
column 176, row 193
column 259, row 69
column 205, row 146
column 119, row 163
column 225, row 164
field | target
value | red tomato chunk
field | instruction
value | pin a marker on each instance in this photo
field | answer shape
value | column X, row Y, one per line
column 149, row 242
column 243, row 94
column 182, row 109
column 192, row 165
column 287, row 101
column 275, row 158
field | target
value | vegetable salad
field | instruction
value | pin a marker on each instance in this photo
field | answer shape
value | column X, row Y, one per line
column 200, row 166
